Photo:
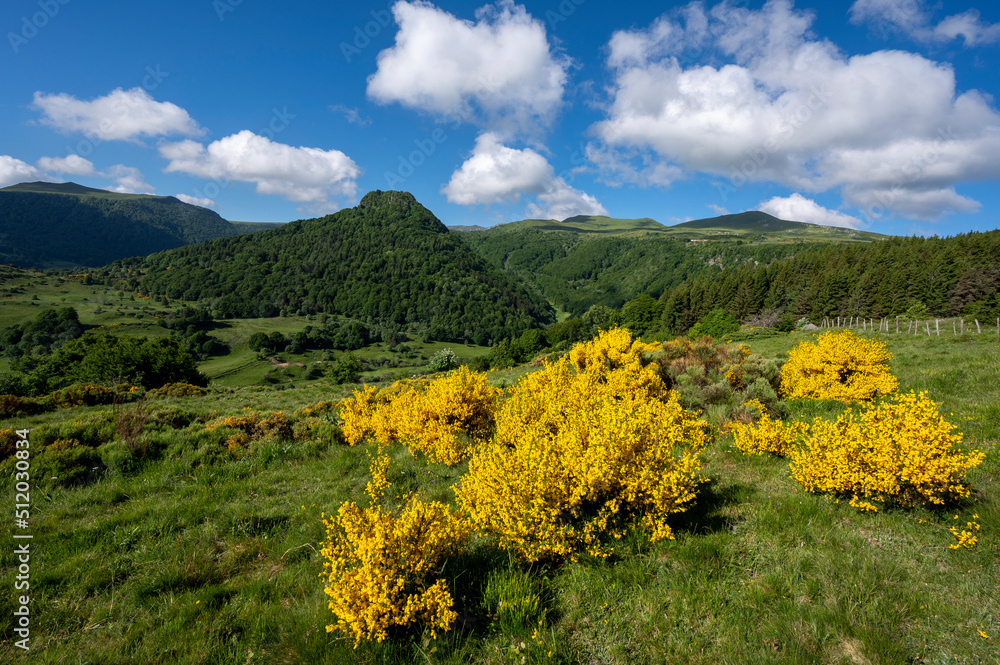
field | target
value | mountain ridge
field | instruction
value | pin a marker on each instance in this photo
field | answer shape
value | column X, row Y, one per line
column 387, row 261
column 67, row 225
column 748, row 223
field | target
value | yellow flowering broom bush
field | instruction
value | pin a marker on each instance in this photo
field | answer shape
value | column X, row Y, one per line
column 383, row 566
column 901, row 451
column 583, row 448
column 839, row 365
column 253, row 426
column 767, row 435
column 439, row 418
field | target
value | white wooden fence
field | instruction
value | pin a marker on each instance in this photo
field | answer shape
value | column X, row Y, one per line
column 913, row 326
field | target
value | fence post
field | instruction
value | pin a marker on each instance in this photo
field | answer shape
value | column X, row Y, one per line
column 928, row 324
column 954, row 327
column 897, row 325
column 978, row 329
column 937, row 326
column 963, row 326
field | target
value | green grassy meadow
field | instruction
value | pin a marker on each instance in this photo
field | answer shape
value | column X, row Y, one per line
column 193, row 555
column 103, row 309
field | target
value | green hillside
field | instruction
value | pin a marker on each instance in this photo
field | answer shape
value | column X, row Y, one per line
column 64, row 225
column 752, row 226
column 583, row 224
column 937, row 277
column 254, row 227
column 389, row 261
column 758, row 225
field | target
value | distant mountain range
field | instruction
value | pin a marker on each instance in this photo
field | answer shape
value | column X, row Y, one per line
column 66, row 225
column 751, row 225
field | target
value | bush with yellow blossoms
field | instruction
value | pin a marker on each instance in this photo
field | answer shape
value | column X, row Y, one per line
column 253, row 426
column 839, row 365
column 767, row 435
column 441, row 418
column 583, row 448
column 900, row 451
column 383, row 565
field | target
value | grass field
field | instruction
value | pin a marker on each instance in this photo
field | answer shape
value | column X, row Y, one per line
column 193, row 556
column 102, row 309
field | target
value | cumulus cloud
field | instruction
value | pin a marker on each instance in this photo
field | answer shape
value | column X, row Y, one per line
column 304, row 175
column 798, row 208
column 499, row 71
column 120, row 115
column 128, row 180
column 786, row 107
column 70, row 164
column 496, row 173
column 559, row 200
column 195, row 201
column 14, row 171
column 913, row 18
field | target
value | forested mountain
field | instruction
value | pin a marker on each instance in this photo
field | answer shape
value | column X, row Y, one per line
column 388, row 261
column 947, row 276
column 55, row 225
column 575, row 271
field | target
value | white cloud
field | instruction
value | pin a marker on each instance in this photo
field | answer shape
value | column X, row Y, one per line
column 797, row 208
column 967, row 26
column 14, row 171
column 560, row 200
column 195, row 201
column 717, row 209
column 499, row 71
column 913, row 18
column 120, row 115
column 927, row 204
column 128, row 180
column 305, row 175
column 70, row 164
column 351, row 114
column 790, row 108
column 495, row 173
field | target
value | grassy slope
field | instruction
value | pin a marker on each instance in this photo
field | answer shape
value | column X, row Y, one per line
column 189, row 561
column 24, row 296
column 72, row 189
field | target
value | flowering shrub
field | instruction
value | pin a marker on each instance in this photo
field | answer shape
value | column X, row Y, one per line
column 253, row 426
column 840, row 365
column 317, row 410
column 583, row 448
column 8, row 441
column 383, row 566
column 900, row 451
column 767, row 435
column 719, row 378
column 82, row 394
column 179, row 389
column 437, row 417
column 12, row 405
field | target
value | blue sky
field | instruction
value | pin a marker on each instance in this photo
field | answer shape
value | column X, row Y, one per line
column 877, row 114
